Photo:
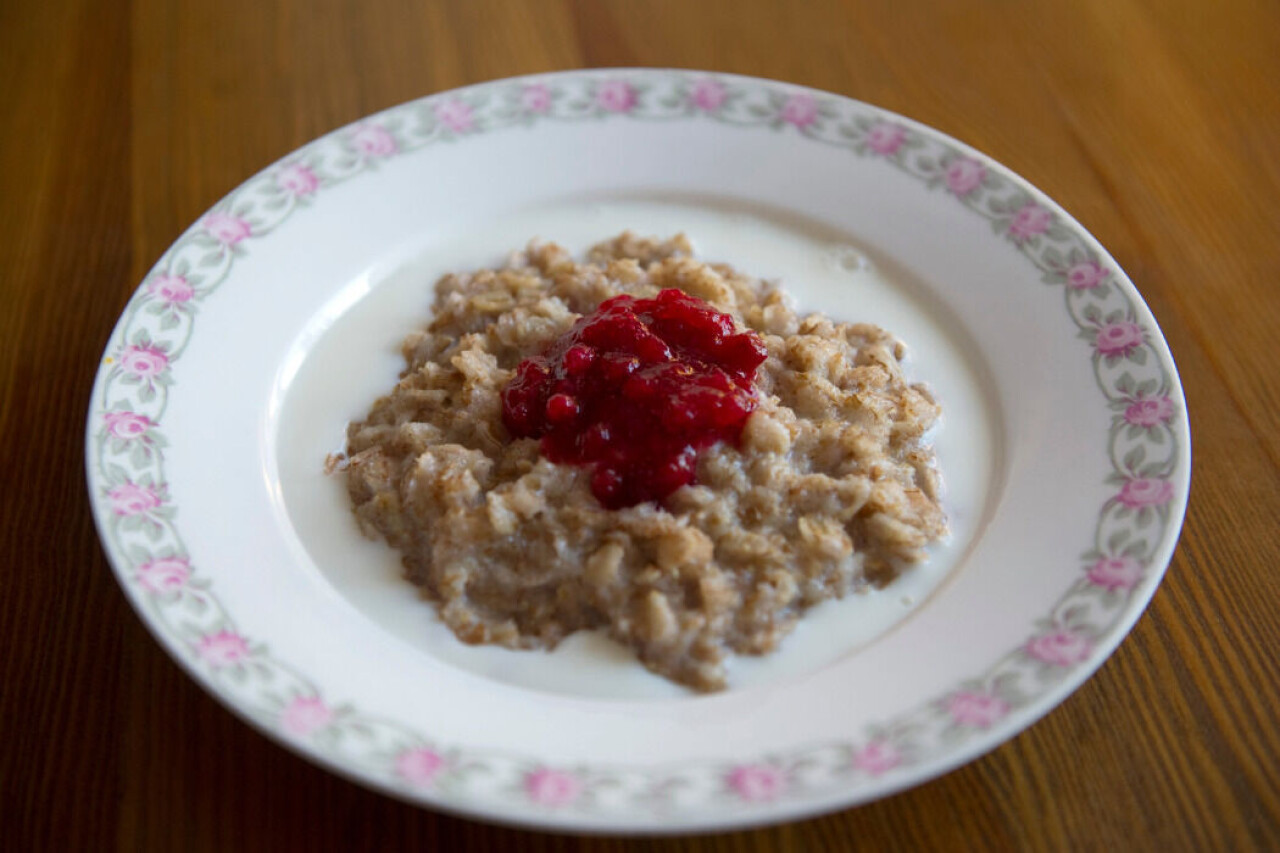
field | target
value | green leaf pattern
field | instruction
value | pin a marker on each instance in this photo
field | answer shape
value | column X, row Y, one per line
column 1143, row 449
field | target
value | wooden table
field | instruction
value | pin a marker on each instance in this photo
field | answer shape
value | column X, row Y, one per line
column 1156, row 122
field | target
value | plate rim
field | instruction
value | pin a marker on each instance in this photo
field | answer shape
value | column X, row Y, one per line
column 612, row 94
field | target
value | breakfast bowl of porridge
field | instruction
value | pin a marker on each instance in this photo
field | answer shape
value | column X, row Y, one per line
column 638, row 450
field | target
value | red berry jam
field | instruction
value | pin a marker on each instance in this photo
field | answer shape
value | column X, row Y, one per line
column 636, row 390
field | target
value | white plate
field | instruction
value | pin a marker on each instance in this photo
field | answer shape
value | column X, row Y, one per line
column 276, row 318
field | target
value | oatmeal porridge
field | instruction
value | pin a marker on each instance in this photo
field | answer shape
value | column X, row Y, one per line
column 793, row 470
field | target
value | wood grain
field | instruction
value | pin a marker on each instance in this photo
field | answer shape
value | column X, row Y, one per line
column 1156, row 122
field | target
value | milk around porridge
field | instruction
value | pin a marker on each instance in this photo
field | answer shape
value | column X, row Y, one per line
column 829, row 487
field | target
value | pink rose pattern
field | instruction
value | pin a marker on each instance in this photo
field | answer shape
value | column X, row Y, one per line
column 1030, row 221
column 877, row 757
column 225, row 648
column 757, row 782
column 419, row 766
column 297, row 180
column 536, row 98
column 127, row 425
column 554, row 788
column 1060, row 648
column 144, row 361
column 886, row 138
column 456, row 115
column 305, row 715
column 1149, row 412
column 227, row 229
column 708, row 95
column 615, row 96
column 164, row 574
column 1142, row 492
column 1086, row 275
column 550, row 787
column 1115, row 573
column 978, row 710
column 800, row 109
column 963, row 175
column 373, row 140
column 130, row 499
column 173, row 289
column 1118, row 338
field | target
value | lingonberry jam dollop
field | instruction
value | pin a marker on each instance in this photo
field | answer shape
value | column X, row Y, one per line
column 636, row 390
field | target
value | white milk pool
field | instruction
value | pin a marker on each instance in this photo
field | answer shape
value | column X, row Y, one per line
column 350, row 354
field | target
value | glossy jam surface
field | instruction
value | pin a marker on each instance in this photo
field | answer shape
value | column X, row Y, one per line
column 636, row 390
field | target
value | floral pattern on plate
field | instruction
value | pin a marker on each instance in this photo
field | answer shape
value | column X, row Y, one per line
column 141, row 525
